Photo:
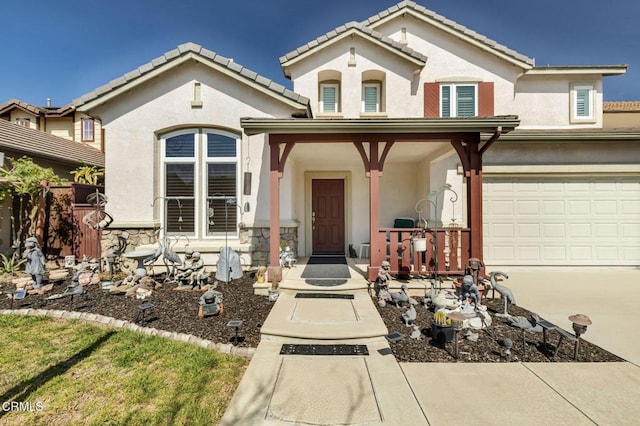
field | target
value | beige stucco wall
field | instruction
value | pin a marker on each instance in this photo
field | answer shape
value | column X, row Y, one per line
column 19, row 114
column 567, row 152
column 135, row 122
column 544, row 102
column 621, row 119
column 540, row 101
column 61, row 127
column 401, row 100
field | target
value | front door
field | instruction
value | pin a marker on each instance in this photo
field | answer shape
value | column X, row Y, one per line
column 327, row 216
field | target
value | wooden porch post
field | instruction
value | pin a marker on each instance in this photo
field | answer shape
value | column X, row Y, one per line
column 468, row 148
column 274, row 206
column 377, row 252
column 474, row 196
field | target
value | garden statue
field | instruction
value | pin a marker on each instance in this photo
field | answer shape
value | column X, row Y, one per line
column 228, row 267
column 382, row 283
column 192, row 272
column 73, row 289
column 35, row 261
column 401, row 297
column 287, row 258
column 469, row 289
column 409, row 316
column 210, row 303
column 505, row 292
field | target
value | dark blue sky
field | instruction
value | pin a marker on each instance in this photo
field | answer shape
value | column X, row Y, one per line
column 63, row 49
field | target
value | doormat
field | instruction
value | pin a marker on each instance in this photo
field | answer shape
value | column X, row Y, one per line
column 326, row 267
column 324, row 282
column 293, row 349
column 323, row 296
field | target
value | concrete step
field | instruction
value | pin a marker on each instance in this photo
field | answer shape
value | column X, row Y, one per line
column 324, row 318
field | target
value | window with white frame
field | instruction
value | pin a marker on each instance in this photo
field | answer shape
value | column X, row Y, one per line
column 329, row 98
column 200, row 183
column 25, row 122
column 458, row 100
column 582, row 102
column 371, row 97
column 87, row 129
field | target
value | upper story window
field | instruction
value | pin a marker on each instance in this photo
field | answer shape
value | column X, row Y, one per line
column 87, row 130
column 582, row 102
column 371, row 97
column 25, row 122
column 329, row 92
column 200, row 183
column 329, row 98
column 458, row 100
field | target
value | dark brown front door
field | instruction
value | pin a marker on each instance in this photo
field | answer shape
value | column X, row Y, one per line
column 327, row 216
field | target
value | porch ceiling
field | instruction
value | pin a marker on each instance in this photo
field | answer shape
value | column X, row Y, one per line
column 346, row 153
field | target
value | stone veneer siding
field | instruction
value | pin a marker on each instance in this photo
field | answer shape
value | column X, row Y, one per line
column 134, row 237
column 256, row 238
column 259, row 239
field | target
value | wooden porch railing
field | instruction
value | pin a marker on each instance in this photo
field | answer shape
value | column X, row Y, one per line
column 447, row 250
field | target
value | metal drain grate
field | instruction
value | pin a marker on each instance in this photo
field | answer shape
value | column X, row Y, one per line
column 291, row 349
column 323, row 296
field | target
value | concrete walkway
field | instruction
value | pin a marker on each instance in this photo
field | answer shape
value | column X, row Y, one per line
column 374, row 389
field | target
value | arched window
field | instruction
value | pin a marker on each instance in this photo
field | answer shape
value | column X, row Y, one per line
column 200, row 183
column 329, row 92
column 372, row 92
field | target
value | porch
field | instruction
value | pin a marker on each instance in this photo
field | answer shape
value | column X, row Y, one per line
column 446, row 250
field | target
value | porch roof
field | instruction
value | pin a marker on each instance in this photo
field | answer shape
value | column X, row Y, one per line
column 370, row 126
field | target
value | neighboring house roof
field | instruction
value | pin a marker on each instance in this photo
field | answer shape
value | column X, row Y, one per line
column 621, row 106
column 186, row 52
column 346, row 30
column 35, row 143
column 34, row 109
column 451, row 27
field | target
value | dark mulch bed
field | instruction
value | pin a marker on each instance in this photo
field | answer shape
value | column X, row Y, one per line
column 487, row 348
column 173, row 310
column 176, row 311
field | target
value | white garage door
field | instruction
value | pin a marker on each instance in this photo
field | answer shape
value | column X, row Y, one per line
column 561, row 221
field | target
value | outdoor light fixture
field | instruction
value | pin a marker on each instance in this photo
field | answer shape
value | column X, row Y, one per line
column 580, row 324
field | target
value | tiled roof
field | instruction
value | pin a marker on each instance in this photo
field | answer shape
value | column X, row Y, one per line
column 622, row 106
column 35, row 143
column 456, row 27
column 34, row 109
column 191, row 48
column 357, row 27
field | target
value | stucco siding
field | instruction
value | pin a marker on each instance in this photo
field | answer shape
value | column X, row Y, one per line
column 135, row 122
column 402, row 98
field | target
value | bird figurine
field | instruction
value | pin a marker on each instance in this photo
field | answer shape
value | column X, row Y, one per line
column 170, row 257
column 526, row 324
column 430, row 295
column 401, row 297
column 504, row 292
column 409, row 316
column 416, row 333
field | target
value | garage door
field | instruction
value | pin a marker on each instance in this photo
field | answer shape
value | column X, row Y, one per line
column 562, row 221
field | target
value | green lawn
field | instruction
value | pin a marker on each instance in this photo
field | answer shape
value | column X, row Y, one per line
column 58, row 372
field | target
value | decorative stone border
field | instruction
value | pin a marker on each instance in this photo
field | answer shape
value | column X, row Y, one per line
column 101, row 320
